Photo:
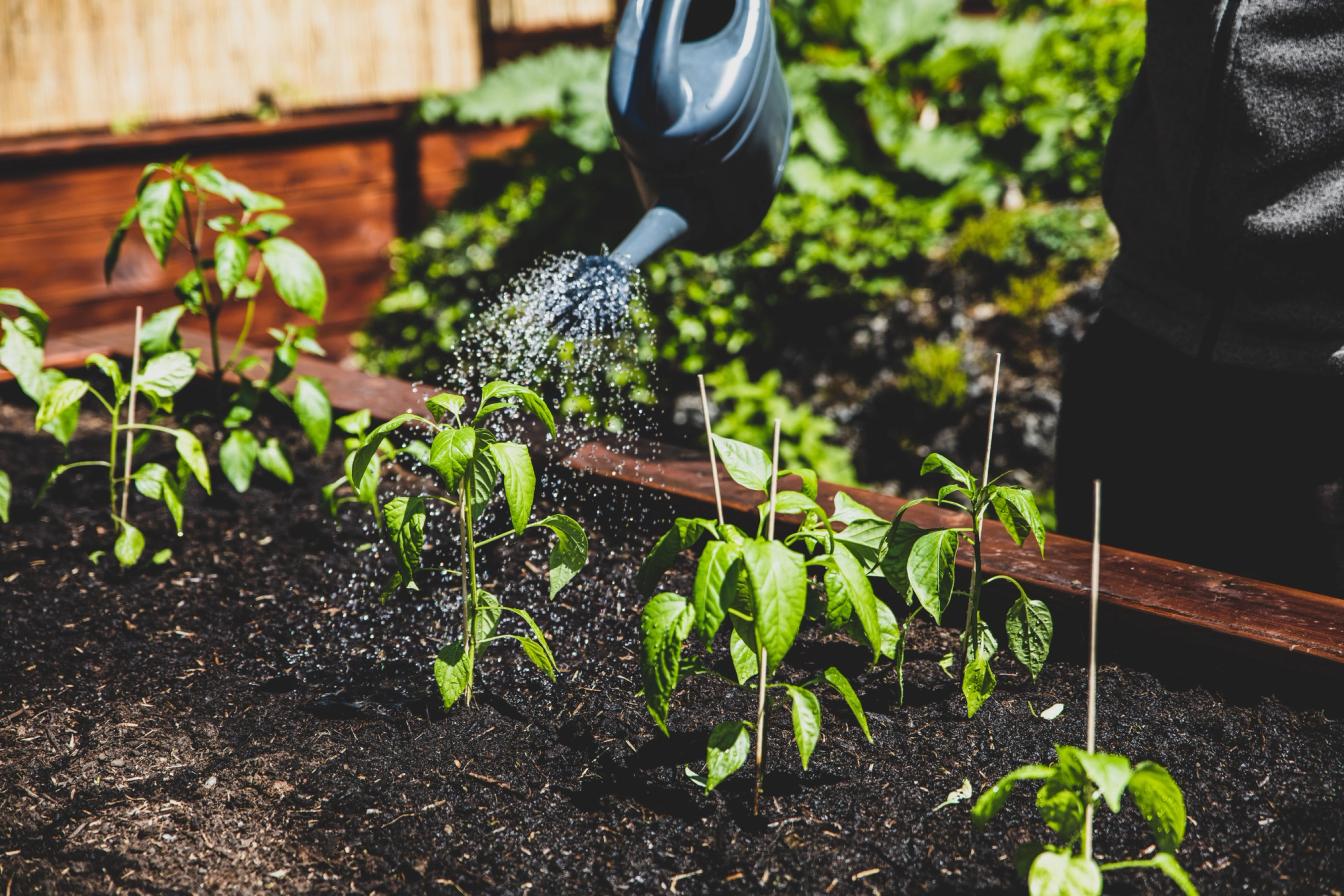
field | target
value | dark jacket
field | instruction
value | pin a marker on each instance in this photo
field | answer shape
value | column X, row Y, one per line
column 1225, row 178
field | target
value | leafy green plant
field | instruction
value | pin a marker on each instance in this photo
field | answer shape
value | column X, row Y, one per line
column 471, row 463
column 759, row 586
column 342, row 491
column 170, row 207
column 921, row 565
column 158, row 379
column 1078, row 780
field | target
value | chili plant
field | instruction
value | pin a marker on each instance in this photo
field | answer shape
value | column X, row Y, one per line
column 245, row 247
column 921, row 565
column 342, row 491
column 760, row 587
column 158, row 379
column 22, row 352
column 1075, row 781
column 471, row 462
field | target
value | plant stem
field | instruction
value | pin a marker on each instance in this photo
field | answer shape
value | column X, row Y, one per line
column 243, row 333
column 130, row 411
column 762, row 669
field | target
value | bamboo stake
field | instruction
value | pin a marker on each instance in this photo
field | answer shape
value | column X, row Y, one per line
column 709, row 440
column 993, row 409
column 130, row 414
column 760, row 648
column 1092, row 655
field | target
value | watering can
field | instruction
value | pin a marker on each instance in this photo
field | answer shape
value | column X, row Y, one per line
column 699, row 107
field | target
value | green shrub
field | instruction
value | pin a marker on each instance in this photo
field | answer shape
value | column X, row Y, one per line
column 935, row 373
column 913, row 123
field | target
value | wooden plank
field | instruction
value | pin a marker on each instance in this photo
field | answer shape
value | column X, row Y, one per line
column 1290, row 621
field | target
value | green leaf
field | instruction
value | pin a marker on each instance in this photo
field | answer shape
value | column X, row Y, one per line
column 1061, row 874
column 297, row 277
column 481, row 475
column 900, row 539
column 1110, row 772
column 404, row 520
column 1030, row 628
column 520, row 481
column 155, row 482
column 716, row 578
column 1060, row 808
column 748, row 465
column 890, row 628
column 273, row 460
column 238, row 458
column 130, row 544
column 685, row 534
column 539, row 655
column 313, row 409
column 1161, row 803
column 848, row 511
column 977, row 683
column 846, row 580
column 21, row 354
column 6, row 493
column 165, row 375
column 791, row 502
column 451, row 672
column 778, row 579
column 936, row 462
column 110, row 369
column 1016, row 509
column 158, row 334
column 993, row 799
column 451, row 453
column 841, row 684
column 445, row 404
column 866, row 539
column 113, row 251
column 159, row 210
column 664, row 624
column 806, row 721
column 808, row 477
column 1167, row 864
column 729, row 744
column 486, row 618
column 64, row 395
column 745, row 662
column 32, row 319
column 931, row 570
column 209, row 179
column 161, row 556
column 231, row 252
column 502, row 391
column 363, row 455
column 570, row 553
column 354, row 423
column 193, row 457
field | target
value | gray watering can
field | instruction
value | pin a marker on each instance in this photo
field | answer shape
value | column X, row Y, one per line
column 700, row 109
column 699, row 106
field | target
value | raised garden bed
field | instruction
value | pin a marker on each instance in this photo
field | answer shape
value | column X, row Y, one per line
column 249, row 717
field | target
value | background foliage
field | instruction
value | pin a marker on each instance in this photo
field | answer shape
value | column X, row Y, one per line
column 939, row 205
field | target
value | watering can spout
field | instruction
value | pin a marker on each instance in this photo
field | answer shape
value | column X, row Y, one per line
column 659, row 228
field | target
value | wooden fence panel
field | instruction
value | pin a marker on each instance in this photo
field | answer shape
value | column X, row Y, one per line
column 540, row 15
column 67, row 64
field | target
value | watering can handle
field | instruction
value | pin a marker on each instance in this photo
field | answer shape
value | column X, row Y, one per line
column 660, row 49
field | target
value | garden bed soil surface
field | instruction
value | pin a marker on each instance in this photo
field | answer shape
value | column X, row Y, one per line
column 248, row 718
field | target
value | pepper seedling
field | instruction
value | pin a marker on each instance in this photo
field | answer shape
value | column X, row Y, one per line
column 759, row 586
column 471, row 462
column 1076, row 780
column 23, row 339
column 246, row 246
column 921, row 565
column 158, row 379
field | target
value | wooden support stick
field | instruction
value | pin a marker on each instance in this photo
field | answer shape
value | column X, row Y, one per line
column 1092, row 655
column 709, row 441
column 993, row 409
column 763, row 666
column 130, row 414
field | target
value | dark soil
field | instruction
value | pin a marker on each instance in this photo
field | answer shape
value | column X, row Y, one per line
column 248, row 718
